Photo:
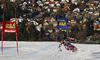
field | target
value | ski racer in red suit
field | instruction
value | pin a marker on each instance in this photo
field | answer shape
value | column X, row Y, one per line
column 67, row 45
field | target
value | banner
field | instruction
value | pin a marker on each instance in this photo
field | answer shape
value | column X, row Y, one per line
column 9, row 26
column 62, row 24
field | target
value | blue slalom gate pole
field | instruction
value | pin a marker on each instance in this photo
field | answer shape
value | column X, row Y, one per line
column 67, row 26
column 57, row 28
column 56, row 35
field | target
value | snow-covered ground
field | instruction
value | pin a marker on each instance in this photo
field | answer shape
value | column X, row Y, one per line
column 48, row 51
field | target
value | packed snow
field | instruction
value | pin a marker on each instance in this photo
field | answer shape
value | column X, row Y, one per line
column 48, row 51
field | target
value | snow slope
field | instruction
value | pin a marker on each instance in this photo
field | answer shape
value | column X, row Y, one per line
column 48, row 51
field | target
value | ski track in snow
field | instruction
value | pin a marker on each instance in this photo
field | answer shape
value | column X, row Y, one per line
column 48, row 51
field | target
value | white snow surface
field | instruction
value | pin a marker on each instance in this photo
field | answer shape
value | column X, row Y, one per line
column 48, row 51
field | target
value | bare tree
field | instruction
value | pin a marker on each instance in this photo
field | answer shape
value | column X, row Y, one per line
column 81, row 36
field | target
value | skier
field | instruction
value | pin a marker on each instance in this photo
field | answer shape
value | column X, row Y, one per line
column 67, row 44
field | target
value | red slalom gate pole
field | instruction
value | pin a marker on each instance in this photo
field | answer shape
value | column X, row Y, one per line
column 2, row 45
column 16, row 35
column 2, row 35
column 17, row 44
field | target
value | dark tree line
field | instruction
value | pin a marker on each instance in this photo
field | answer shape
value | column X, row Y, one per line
column 29, row 33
